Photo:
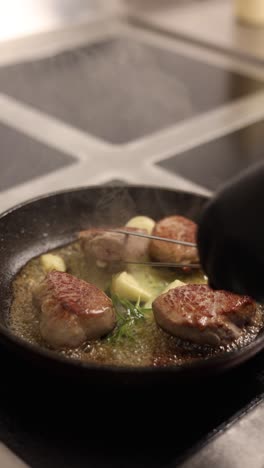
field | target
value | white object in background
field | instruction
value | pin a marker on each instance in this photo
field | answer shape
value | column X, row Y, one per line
column 20, row 18
column 250, row 11
column 9, row 460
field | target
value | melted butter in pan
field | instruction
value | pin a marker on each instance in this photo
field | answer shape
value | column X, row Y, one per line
column 150, row 346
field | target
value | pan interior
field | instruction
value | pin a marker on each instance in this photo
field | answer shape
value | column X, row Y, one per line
column 139, row 342
column 51, row 222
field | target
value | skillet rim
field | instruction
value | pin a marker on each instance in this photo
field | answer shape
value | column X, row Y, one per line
column 224, row 360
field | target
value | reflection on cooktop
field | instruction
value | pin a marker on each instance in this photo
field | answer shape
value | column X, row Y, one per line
column 213, row 163
column 23, row 158
column 121, row 89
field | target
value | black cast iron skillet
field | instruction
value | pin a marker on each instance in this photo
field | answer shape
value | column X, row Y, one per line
column 51, row 221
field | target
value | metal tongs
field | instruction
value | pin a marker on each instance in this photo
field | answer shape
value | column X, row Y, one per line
column 158, row 238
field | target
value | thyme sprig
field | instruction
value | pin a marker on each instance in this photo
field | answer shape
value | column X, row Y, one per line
column 129, row 316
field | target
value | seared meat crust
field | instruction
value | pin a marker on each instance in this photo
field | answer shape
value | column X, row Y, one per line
column 197, row 313
column 72, row 310
column 114, row 247
column 174, row 227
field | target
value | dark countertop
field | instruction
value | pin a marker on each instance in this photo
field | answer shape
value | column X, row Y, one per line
column 50, row 421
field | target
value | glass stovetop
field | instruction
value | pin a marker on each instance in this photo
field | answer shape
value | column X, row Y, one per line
column 18, row 158
column 145, row 88
column 214, row 163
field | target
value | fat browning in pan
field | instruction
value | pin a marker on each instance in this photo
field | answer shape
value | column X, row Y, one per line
column 137, row 341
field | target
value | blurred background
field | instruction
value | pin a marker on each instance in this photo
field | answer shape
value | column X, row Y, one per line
column 21, row 18
column 102, row 91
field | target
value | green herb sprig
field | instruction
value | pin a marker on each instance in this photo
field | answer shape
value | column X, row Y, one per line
column 129, row 316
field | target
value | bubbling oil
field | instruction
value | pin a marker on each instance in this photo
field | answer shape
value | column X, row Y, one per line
column 150, row 345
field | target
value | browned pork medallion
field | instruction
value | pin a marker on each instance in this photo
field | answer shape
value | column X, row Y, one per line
column 72, row 310
column 174, row 227
column 72, row 300
column 198, row 314
column 112, row 246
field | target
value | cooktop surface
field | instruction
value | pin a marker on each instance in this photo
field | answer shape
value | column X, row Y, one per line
column 146, row 88
column 214, row 163
column 70, row 425
column 23, row 158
